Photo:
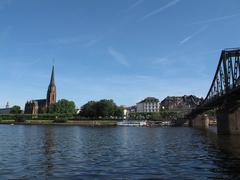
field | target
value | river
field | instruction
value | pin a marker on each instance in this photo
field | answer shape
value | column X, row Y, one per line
column 73, row 152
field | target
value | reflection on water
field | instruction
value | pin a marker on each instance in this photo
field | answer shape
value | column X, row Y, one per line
column 30, row 152
column 227, row 150
column 48, row 150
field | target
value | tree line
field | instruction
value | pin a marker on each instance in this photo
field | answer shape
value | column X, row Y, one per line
column 63, row 106
column 93, row 109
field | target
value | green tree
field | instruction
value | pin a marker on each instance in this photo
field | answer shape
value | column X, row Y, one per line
column 119, row 111
column 101, row 109
column 105, row 108
column 63, row 106
column 16, row 110
column 89, row 109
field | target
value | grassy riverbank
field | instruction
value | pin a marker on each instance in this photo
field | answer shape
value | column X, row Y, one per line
column 51, row 122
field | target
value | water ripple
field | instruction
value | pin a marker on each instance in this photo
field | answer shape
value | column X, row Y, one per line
column 49, row 152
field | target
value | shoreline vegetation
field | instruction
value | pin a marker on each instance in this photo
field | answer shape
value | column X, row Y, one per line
column 57, row 119
column 94, row 113
column 86, row 123
column 67, row 123
column 78, row 120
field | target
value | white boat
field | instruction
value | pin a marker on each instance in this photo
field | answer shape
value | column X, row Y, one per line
column 166, row 123
column 132, row 123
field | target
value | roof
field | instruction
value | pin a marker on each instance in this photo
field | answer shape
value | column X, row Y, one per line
column 2, row 109
column 5, row 110
column 39, row 101
column 149, row 99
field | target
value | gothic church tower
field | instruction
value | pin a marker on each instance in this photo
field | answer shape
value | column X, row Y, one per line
column 52, row 90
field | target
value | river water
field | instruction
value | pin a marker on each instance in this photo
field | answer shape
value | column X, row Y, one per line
column 72, row 152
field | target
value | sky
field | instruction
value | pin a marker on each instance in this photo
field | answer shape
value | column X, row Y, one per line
column 109, row 49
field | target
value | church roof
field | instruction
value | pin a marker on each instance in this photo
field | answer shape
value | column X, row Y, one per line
column 39, row 101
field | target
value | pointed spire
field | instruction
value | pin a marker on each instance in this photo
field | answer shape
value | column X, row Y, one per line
column 52, row 82
column 7, row 105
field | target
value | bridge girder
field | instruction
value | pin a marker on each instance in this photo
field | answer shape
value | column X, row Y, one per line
column 225, row 84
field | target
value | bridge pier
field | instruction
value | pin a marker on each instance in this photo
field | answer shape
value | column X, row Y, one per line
column 200, row 122
column 228, row 121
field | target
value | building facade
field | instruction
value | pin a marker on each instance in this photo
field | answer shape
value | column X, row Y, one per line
column 5, row 110
column 150, row 104
column 39, row 106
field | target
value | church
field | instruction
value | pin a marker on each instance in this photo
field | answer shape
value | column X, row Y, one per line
column 39, row 106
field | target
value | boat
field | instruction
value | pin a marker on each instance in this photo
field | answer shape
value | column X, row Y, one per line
column 132, row 123
column 166, row 123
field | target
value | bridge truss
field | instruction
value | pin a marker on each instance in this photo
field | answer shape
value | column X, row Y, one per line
column 225, row 84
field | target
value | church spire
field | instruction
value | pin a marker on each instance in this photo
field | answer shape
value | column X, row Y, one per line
column 52, row 90
column 52, row 81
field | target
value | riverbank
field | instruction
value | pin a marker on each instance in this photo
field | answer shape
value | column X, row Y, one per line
column 68, row 123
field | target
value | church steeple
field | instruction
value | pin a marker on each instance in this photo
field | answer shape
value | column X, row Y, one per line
column 52, row 81
column 52, row 90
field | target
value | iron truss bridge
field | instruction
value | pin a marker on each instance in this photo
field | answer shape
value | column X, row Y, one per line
column 225, row 86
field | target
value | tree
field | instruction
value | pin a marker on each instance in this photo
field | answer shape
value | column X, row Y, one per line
column 119, row 112
column 89, row 109
column 63, row 106
column 105, row 108
column 16, row 110
column 101, row 109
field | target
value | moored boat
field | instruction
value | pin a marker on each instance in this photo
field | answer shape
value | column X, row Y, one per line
column 132, row 123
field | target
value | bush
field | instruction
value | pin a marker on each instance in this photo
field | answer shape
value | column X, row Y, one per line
column 61, row 119
column 19, row 118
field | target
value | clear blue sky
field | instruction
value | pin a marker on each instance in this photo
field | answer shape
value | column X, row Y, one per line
column 124, row 50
